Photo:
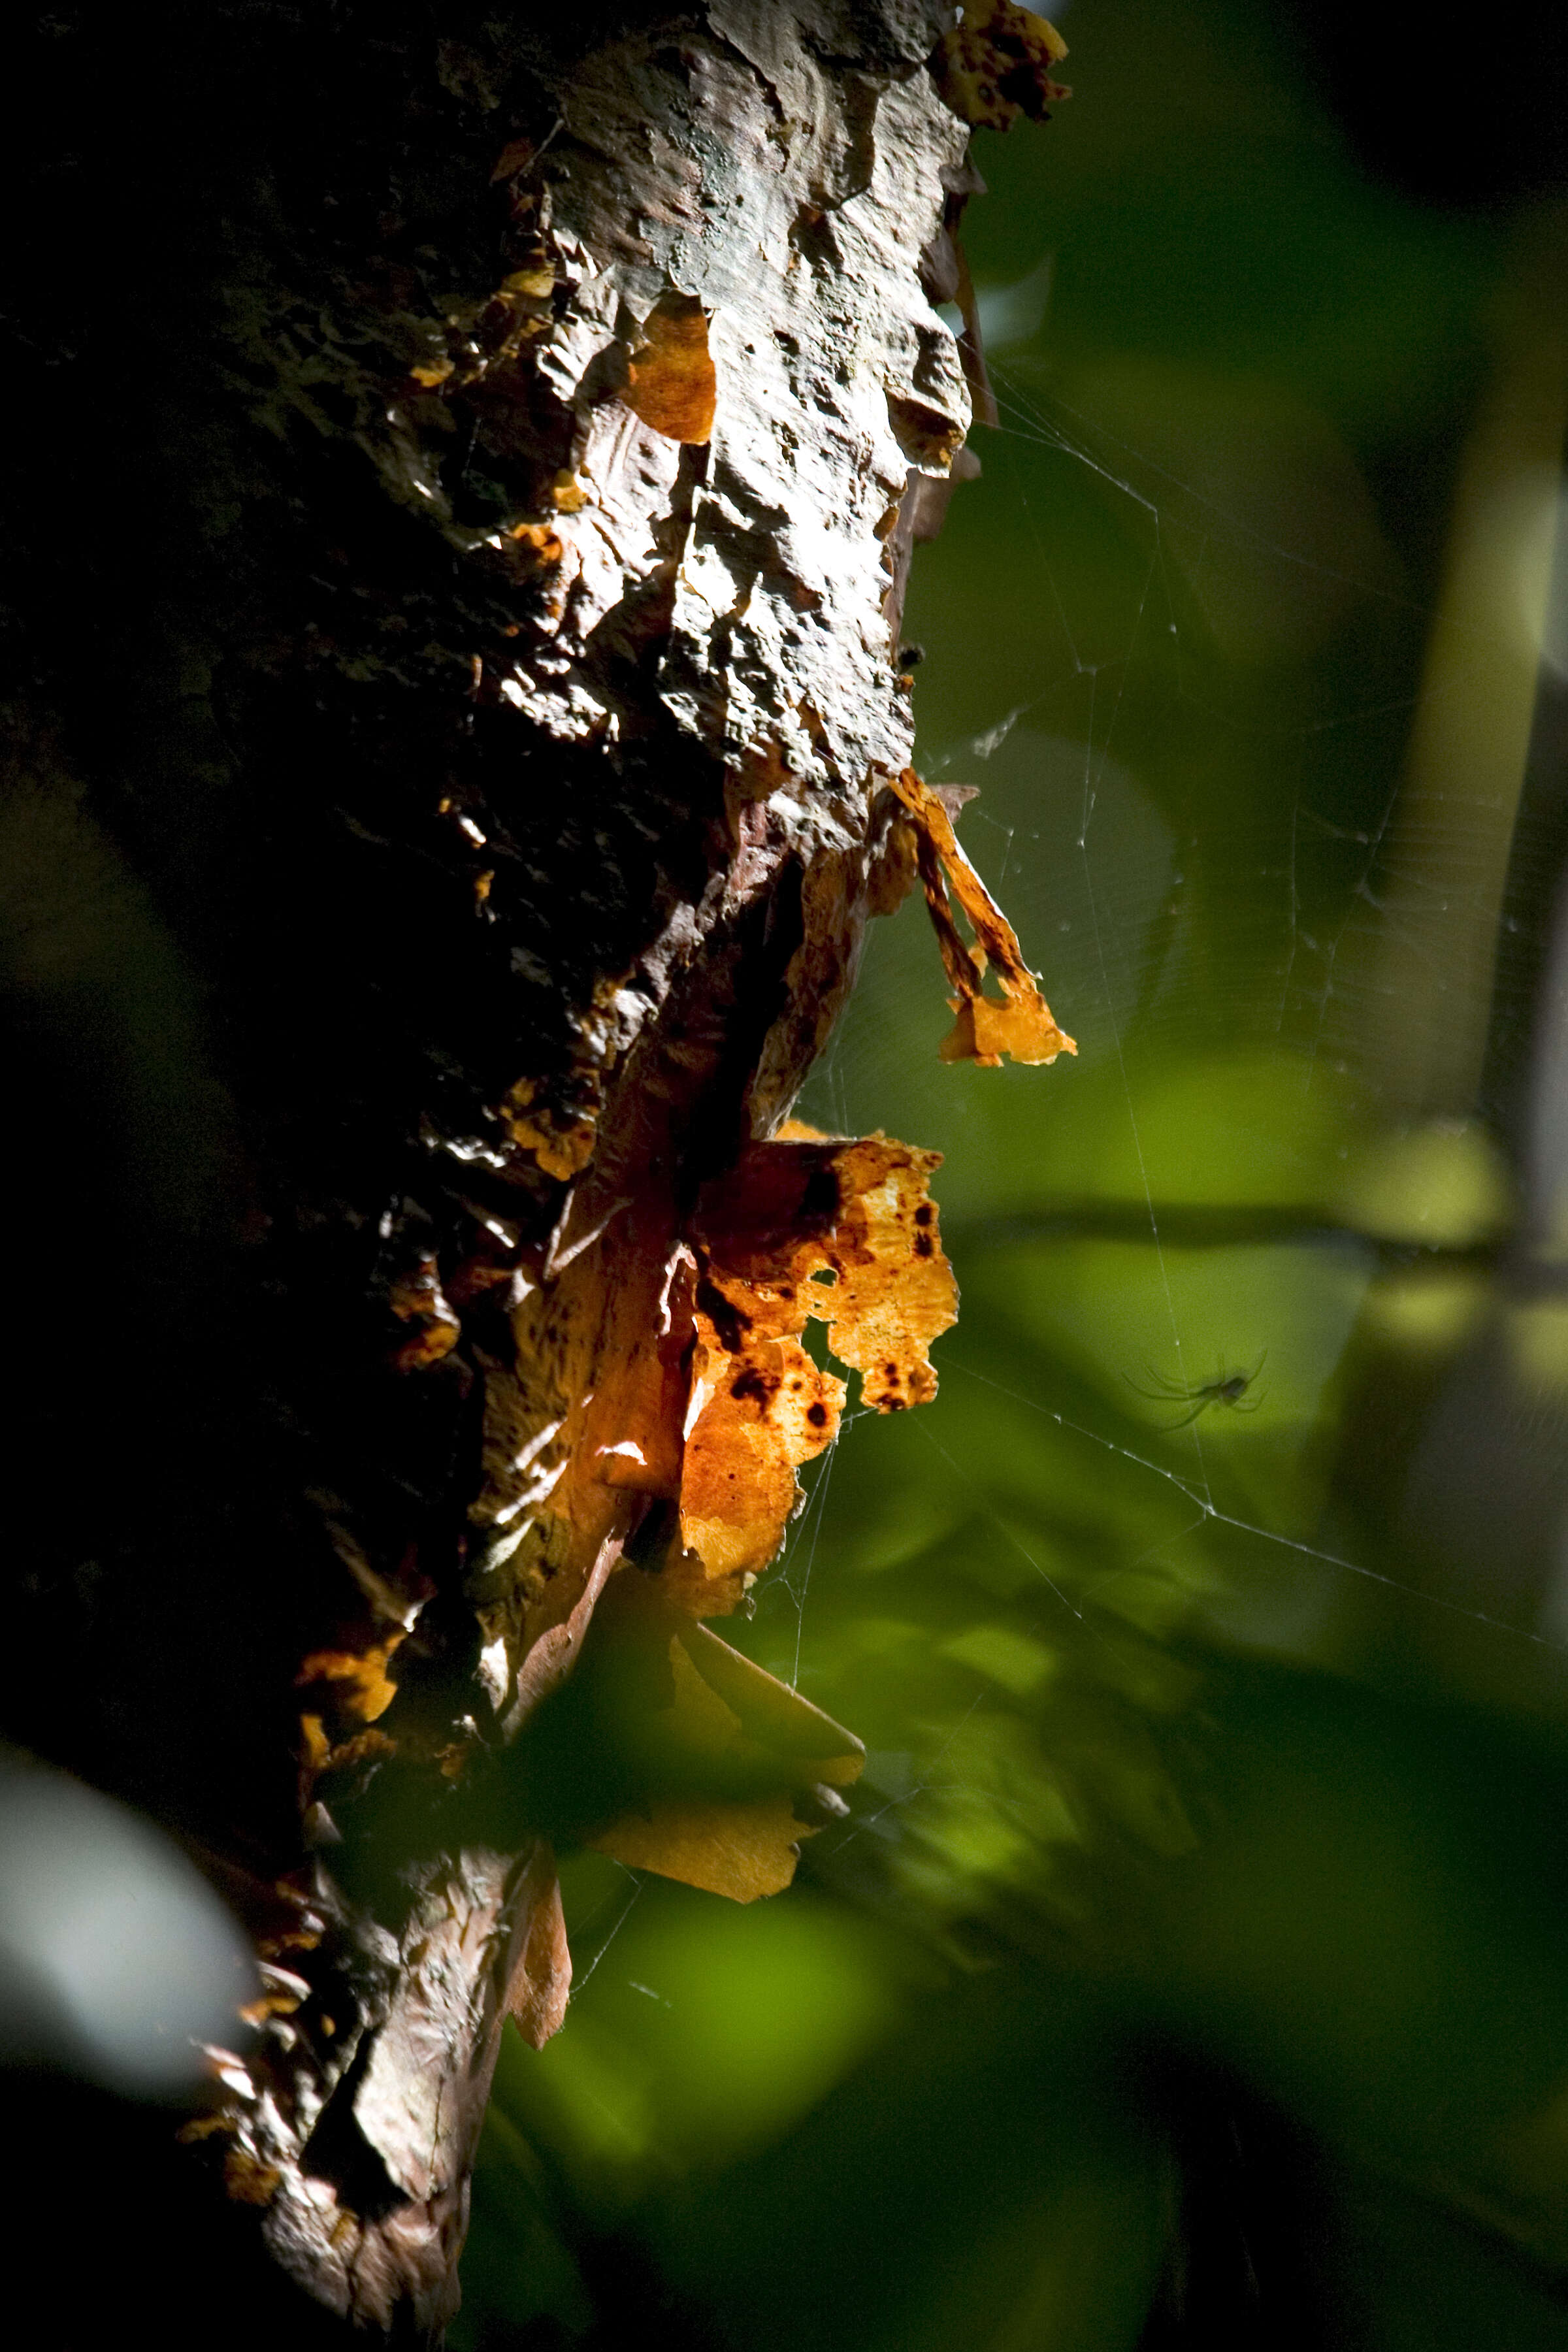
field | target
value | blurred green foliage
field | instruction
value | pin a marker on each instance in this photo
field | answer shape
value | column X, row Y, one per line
column 1195, row 1953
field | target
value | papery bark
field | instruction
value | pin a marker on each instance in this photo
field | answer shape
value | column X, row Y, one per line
column 537, row 422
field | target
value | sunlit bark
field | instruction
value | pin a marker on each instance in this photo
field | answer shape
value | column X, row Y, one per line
column 524, row 429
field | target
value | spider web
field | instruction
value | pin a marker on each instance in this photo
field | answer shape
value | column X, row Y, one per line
column 1238, row 871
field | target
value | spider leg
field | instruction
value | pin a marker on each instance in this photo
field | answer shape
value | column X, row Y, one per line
column 1164, row 1391
column 1184, row 1420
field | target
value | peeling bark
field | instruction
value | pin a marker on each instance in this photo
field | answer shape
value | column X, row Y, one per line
column 534, row 429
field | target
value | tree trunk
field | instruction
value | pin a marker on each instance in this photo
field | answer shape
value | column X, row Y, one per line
column 456, row 743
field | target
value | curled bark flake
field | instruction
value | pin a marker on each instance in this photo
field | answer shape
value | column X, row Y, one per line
column 1020, row 1025
column 540, row 1983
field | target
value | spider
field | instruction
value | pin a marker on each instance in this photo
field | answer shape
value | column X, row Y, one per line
column 1226, row 1388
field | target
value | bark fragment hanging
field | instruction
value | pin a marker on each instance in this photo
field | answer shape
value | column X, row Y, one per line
column 726, row 1720
column 808, row 1227
column 1020, row 1025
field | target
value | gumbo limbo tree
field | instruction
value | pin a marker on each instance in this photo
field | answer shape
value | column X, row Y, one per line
column 457, row 741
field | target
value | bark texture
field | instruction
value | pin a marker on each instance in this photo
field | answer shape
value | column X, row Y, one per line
column 467, row 691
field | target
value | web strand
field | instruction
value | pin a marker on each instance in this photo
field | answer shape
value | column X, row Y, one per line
column 1210, row 1514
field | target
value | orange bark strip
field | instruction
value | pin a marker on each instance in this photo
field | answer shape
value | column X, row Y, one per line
column 742, row 1849
column 761, row 1409
column 417, row 1298
column 246, row 2181
column 561, row 1147
column 842, row 1232
column 673, row 386
column 895, row 1293
column 365, row 1689
column 996, row 64
column 1020, row 1024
